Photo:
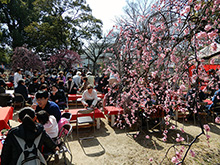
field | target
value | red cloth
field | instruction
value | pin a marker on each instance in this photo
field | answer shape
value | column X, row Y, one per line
column 32, row 96
column 98, row 113
column 6, row 113
column 74, row 97
column 208, row 101
column 111, row 110
column 9, row 84
column 207, row 67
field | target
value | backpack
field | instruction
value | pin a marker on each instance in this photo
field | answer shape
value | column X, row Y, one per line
column 30, row 155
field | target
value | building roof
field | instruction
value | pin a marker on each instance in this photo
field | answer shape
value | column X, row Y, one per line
column 208, row 52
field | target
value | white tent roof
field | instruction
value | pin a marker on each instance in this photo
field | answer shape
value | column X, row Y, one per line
column 208, row 51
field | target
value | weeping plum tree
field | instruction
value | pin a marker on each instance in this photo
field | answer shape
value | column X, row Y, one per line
column 169, row 37
column 64, row 58
column 26, row 59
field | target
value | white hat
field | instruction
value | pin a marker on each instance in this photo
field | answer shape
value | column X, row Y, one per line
column 88, row 73
column 78, row 73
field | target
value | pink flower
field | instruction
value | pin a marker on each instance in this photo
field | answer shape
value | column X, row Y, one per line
column 147, row 137
column 187, row 9
column 151, row 159
column 207, row 136
column 192, row 153
column 162, row 55
column 164, row 139
column 217, row 2
column 182, row 130
column 217, row 120
column 208, row 27
column 177, row 139
column 178, row 155
column 190, row 1
column 212, row 35
column 173, row 127
column 182, row 87
column 212, row 61
column 154, row 74
column 165, row 131
column 201, row 35
column 214, row 46
column 197, row 7
column 174, row 160
column 206, row 127
column 186, row 31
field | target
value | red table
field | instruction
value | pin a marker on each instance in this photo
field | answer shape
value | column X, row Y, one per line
column 74, row 97
column 9, row 84
column 98, row 115
column 112, row 111
column 6, row 113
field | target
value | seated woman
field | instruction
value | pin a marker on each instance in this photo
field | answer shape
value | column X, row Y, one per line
column 70, row 86
column 89, row 97
column 49, row 122
column 58, row 96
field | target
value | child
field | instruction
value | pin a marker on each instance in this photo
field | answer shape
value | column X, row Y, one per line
column 49, row 122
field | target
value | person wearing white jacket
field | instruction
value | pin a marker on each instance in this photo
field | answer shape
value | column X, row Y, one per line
column 17, row 77
column 77, row 79
column 89, row 97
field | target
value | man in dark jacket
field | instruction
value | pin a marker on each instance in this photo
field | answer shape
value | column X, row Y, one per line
column 58, row 96
column 34, row 86
column 22, row 89
column 49, row 106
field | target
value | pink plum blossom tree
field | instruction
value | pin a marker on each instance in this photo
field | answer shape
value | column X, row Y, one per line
column 26, row 59
column 64, row 58
column 145, row 51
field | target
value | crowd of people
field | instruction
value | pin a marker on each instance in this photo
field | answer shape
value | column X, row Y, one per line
column 57, row 83
column 44, row 117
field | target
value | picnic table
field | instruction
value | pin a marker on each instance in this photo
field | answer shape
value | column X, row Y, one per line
column 74, row 97
column 98, row 115
column 6, row 113
column 112, row 111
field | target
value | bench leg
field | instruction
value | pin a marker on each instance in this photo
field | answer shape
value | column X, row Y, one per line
column 176, row 114
column 112, row 120
column 98, row 123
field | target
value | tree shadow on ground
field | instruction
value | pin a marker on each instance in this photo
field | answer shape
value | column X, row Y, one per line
column 140, row 138
column 214, row 128
column 172, row 135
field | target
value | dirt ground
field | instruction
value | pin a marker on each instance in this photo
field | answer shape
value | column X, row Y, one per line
column 113, row 146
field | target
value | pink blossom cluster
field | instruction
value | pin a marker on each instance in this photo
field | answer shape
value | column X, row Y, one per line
column 153, row 58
